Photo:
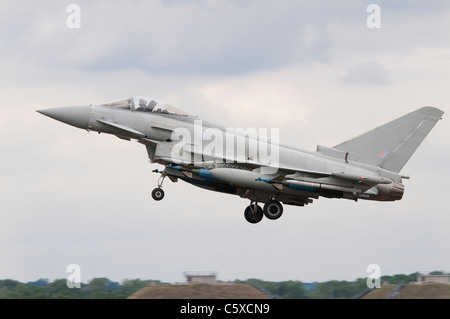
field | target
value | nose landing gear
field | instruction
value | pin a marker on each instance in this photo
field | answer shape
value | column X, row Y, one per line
column 158, row 192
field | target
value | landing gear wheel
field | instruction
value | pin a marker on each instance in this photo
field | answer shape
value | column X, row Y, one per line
column 253, row 213
column 273, row 209
column 158, row 193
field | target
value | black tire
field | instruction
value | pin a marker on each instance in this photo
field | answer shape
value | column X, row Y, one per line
column 158, row 193
column 253, row 216
column 273, row 209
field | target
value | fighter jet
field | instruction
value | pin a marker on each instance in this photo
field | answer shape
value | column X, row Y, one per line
column 256, row 166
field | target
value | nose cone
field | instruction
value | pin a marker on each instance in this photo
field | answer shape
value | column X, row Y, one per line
column 77, row 116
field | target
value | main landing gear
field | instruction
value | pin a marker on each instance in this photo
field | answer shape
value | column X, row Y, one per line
column 272, row 210
column 253, row 213
column 158, row 192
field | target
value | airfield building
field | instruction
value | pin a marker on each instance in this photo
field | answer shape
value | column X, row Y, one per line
column 204, row 277
column 443, row 279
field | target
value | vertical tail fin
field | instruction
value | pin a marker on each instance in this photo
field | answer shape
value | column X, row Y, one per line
column 391, row 145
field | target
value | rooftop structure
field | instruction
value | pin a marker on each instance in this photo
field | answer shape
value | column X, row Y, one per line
column 443, row 279
column 205, row 277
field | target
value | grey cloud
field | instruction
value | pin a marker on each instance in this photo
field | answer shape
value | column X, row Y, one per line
column 414, row 6
column 190, row 37
column 367, row 73
column 173, row 38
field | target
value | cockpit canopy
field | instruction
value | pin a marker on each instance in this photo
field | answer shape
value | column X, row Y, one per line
column 145, row 104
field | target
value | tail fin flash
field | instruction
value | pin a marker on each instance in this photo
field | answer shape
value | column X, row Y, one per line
column 391, row 145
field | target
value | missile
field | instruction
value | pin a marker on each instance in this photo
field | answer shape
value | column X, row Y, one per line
column 241, row 178
column 249, row 179
column 205, row 173
column 362, row 178
column 307, row 186
column 319, row 186
column 200, row 172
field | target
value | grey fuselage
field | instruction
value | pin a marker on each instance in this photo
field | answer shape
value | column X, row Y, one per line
column 252, row 163
column 315, row 173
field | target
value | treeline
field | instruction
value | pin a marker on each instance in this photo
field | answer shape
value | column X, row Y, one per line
column 103, row 288
column 325, row 290
column 97, row 288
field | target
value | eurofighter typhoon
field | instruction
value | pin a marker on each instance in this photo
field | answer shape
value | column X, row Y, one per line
column 252, row 164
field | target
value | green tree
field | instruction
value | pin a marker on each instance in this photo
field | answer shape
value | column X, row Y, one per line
column 400, row 278
column 130, row 286
column 339, row 289
column 58, row 290
column 268, row 287
column 292, row 290
column 98, row 284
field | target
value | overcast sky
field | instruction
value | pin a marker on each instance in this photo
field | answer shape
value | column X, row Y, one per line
column 313, row 69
